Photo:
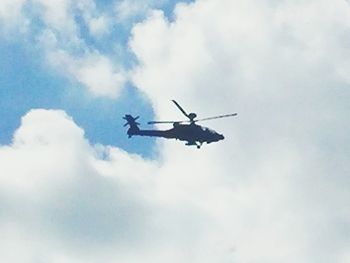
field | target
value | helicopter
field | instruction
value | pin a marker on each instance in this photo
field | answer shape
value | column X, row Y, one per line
column 186, row 130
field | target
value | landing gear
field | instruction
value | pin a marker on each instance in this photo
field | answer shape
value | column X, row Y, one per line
column 199, row 145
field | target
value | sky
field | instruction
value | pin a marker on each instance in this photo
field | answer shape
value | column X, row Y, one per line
column 74, row 188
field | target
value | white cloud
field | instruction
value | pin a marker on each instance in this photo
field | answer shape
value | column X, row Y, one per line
column 42, row 145
column 58, row 15
column 99, row 23
column 58, row 194
column 99, row 26
column 62, row 197
column 95, row 71
column 280, row 65
column 71, row 55
column 6, row 7
column 63, row 43
column 11, row 15
column 128, row 10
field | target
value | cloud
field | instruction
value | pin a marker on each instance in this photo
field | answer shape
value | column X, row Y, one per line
column 279, row 66
column 62, row 196
column 57, row 28
column 128, row 10
column 75, row 58
column 73, row 34
column 99, row 26
column 57, row 188
column 57, row 14
column 11, row 15
column 94, row 70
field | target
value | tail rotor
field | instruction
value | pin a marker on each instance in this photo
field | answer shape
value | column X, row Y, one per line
column 132, row 123
column 130, row 120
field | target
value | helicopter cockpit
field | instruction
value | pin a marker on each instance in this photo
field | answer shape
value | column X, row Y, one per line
column 207, row 129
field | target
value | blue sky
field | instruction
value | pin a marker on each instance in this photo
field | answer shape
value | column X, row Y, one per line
column 27, row 83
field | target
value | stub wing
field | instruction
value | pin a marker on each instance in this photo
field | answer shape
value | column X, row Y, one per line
column 155, row 133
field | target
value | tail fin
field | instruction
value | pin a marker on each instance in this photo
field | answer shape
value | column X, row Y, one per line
column 133, row 124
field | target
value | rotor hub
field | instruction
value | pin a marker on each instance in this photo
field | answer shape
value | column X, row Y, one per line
column 192, row 116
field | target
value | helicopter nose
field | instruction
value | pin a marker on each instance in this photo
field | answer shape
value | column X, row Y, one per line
column 219, row 137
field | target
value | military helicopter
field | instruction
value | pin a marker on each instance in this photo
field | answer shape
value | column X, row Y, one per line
column 192, row 133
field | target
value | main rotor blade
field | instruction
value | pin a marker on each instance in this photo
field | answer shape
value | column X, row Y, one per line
column 162, row 122
column 217, row 117
column 180, row 108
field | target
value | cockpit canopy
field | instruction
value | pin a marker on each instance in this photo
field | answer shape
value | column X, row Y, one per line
column 207, row 129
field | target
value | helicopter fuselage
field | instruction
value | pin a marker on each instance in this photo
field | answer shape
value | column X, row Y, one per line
column 192, row 133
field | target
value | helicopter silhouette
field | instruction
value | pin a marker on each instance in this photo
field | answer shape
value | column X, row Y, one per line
column 192, row 133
